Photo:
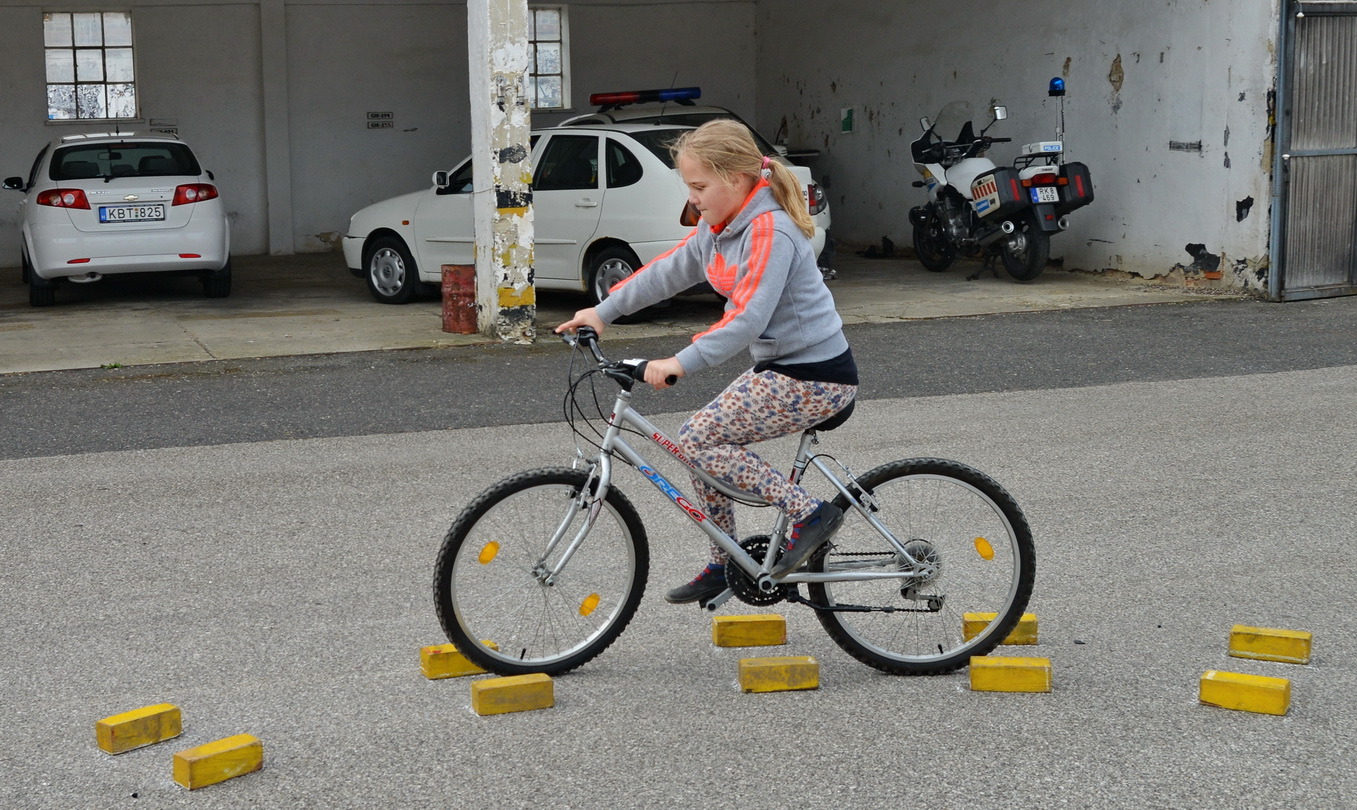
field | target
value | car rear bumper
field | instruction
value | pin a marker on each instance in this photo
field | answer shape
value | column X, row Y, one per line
column 59, row 250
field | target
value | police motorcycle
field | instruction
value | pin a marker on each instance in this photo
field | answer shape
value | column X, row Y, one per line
column 977, row 208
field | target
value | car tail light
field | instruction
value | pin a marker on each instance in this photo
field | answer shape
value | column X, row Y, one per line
column 193, row 193
column 690, row 216
column 815, row 198
column 64, row 198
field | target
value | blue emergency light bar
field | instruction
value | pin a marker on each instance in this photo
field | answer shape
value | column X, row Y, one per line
column 679, row 94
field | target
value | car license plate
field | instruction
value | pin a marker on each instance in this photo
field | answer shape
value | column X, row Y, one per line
column 132, row 213
column 1045, row 194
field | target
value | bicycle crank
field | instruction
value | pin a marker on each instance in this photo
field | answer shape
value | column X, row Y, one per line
column 747, row 589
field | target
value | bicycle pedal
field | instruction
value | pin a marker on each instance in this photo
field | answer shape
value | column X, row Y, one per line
column 717, row 600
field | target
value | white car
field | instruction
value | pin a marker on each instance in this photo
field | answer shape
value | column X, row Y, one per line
column 100, row 204
column 591, row 228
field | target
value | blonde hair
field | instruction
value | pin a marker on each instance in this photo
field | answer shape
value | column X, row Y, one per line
column 728, row 150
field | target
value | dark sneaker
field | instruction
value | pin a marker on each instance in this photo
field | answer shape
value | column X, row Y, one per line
column 709, row 583
column 807, row 536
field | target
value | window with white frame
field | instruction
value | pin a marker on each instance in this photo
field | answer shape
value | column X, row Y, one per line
column 89, row 65
column 549, row 78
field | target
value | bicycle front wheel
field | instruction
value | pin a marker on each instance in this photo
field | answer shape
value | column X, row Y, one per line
column 503, row 596
column 968, row 548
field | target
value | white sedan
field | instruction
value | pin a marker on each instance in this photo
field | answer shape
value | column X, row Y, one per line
column 100, row 204
column 591, row 228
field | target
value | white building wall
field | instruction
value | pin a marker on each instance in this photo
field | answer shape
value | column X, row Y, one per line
column 1146, row 81
column 207, row 63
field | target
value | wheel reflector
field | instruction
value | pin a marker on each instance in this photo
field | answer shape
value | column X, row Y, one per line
column 590, row 602
column 986, row 550
column 488, row 553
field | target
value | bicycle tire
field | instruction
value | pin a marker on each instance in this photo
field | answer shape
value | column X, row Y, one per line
column 954, row 517
column 486, row 589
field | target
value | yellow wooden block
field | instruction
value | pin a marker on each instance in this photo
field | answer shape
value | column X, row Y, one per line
column 782, row 674
column 218, row 761
column 1246, row 693
column 1270, row 644
column 134, row 729
column 516, row 693
column 1000, row 674
column 1024, row 632
column 761, row 630
column 446, row 661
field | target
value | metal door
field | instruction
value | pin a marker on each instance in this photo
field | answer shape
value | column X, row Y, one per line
column 1315, row 199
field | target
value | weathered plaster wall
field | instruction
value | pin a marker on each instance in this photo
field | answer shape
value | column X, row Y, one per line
column 185, row 74
column 206, row 64
column 1168, row 104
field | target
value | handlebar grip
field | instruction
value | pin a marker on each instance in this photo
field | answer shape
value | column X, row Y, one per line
column 639, row 373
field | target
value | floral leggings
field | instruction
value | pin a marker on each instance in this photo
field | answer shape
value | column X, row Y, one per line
column 755, row 407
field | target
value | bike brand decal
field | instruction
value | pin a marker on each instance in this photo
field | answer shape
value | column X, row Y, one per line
column 673, row 449
column 674, row 495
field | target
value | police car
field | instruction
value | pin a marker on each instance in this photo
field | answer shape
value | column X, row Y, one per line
column 606, row 200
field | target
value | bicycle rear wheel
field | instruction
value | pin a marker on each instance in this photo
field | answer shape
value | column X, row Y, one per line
column 969, row 542
column 493, row 591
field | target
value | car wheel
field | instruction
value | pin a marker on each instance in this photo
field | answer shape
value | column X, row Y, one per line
column 610, row 266
column 42, row 292
column 217, row 284
column 390, row 271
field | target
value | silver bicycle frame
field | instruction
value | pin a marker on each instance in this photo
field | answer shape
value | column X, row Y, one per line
column 613, row 442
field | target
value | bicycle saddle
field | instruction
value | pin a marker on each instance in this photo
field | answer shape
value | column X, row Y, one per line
column 837, row 419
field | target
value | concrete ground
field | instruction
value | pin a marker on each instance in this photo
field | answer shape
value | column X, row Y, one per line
column 312, row 304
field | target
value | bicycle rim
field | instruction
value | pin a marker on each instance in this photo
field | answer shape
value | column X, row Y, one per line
column 496, row 603
column 970, row 538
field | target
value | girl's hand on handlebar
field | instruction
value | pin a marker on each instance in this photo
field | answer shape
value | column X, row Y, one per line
column 658, row 372
column 585, row 317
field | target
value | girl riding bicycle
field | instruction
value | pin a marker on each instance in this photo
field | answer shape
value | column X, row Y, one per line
column 753, row 247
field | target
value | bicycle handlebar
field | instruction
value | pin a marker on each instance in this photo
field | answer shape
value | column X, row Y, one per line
column 636, row 369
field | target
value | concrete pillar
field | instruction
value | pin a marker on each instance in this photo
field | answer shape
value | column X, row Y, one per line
column 497, row 33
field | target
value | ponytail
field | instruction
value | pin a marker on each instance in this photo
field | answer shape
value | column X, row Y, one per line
column 727, row 148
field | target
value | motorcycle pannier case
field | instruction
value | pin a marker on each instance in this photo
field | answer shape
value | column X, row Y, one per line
column 998, row 194
column 1077, row 191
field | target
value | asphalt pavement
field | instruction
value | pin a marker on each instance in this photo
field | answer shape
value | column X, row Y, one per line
column 1186, row 466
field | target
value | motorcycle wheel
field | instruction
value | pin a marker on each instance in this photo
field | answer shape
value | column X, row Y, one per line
column 931, row 247
column 1027, row 264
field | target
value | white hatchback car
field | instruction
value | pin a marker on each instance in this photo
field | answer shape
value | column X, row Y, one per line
column 606, row 200
column 96, row 205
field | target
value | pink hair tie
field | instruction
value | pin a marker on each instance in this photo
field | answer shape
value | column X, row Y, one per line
column 765, row 172
column 765, row 161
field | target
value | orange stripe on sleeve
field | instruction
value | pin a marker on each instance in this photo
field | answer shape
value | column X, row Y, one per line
column 761, row 246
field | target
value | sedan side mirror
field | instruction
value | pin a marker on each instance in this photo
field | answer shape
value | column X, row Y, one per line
column 15, row 183
column 440, row 179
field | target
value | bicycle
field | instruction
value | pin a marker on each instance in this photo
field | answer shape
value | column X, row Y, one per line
column 544, row 570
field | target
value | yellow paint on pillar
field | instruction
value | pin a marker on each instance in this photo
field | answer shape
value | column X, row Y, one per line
column 1270, row 644
column 138, row 728
column 218, row 761
column 1024, row 632
column 510, row 297
column 1245, row 693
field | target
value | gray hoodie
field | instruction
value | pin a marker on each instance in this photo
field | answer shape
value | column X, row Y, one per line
column 777, row 304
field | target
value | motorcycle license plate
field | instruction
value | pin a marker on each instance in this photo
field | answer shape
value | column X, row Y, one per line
column 1045, row 194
